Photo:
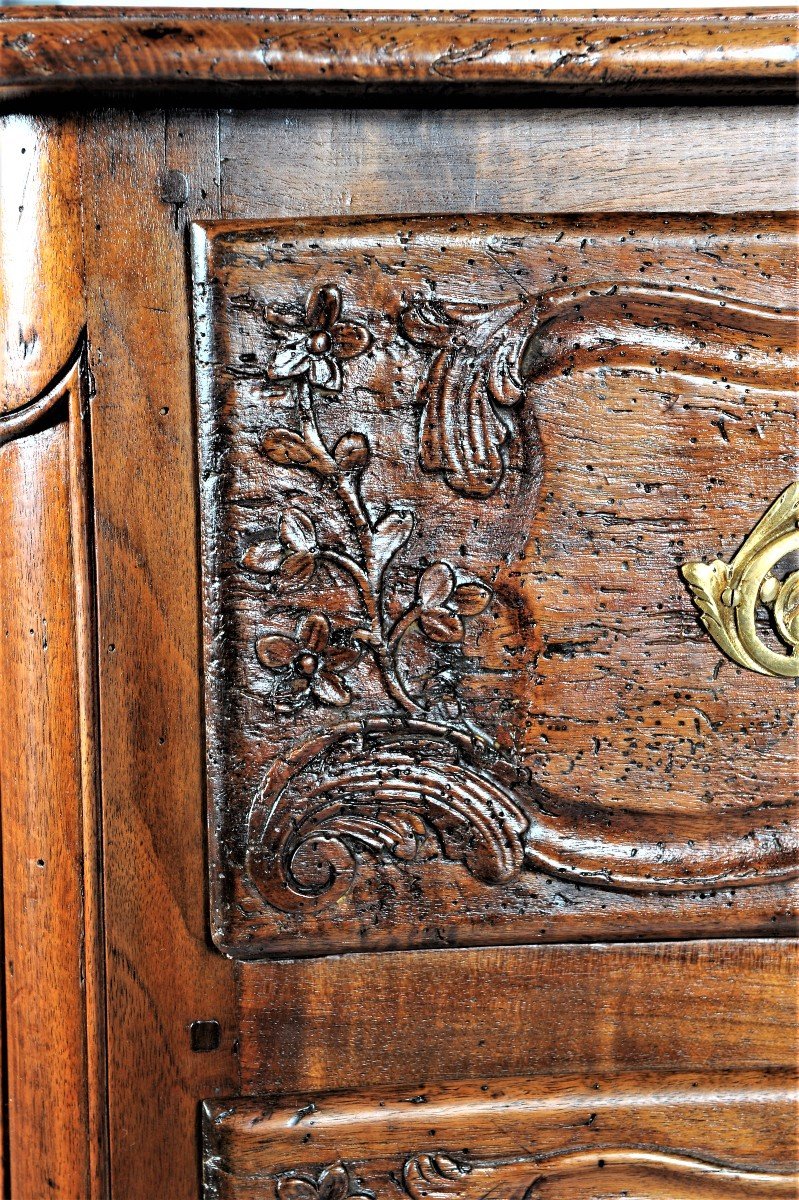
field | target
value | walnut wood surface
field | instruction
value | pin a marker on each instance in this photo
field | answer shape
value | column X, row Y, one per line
column 55, row 1055
column 162, row 976
column 656, row 159
column 40, row 220
column 636, row 53
column 510, row 727
column 360, row 1021
column 656, row 1136
column 52, row 885
column 136, row 179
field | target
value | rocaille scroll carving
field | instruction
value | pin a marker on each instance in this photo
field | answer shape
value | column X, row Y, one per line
column 650, row 1174
column 388, row 650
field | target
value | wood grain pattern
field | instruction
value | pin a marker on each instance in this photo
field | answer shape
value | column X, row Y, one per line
column 40, row 233
column 657, row 1136
column 52, row 853
column 503, row 159
column 404, row 1019
column 414, row 729
column 737, row 53
column 162, row 972
column 185, row 1023
column 54, row 992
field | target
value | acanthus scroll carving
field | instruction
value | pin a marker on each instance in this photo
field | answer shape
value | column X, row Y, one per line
column 648, row 1173
column 408, row 485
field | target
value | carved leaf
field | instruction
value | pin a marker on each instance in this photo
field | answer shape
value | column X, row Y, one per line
column 441, row 625
column 460, row 433
column 470, row 599
column 476, row 364
column 297, row 530
column 504, row 379
column 434, row 1177
column 264, row 557
column 435, row 585
column 287, row 448
column 390, row 534
column 296, row 1187
column 352, row 451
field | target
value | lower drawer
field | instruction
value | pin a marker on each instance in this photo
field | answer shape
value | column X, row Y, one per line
column 727, row 1136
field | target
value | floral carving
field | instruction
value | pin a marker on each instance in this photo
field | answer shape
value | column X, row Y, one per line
column 378, row 595
column 307, row 664
column 313, row 343
column 423, row 775
column 333, row 1183
column 296, row 555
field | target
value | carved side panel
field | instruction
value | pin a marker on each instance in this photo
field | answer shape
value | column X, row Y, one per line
column 457, row 690
column 654, row 1137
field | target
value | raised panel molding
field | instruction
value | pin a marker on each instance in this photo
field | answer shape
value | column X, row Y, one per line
column 51, row 886
column 654, row 1136
column 457, row 691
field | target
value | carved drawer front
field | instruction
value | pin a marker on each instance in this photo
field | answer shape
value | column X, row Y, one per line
column 466, row 681
column 642, row 1136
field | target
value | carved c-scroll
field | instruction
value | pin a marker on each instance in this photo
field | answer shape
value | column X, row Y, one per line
column 648, row 1174
column 619, row 1171
column 396, row 784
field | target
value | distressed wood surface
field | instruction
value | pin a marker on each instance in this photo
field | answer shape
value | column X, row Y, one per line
column 41, row 298
column 371, row 1020
column 657, row 1136
column 126, row 188
column 635, row 53
column 457, row 692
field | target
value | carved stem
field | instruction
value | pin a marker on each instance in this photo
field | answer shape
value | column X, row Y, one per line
column 310, row 430
column 402, row 626
column 367, row 580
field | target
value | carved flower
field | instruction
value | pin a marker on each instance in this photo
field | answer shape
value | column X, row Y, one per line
column 316, row 341
column 307, row 664
column 332, row 1184
column 443, row 603
column 296, row 553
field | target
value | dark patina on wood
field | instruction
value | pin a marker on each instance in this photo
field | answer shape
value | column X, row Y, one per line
column 642, row 1135
column 457, row 692
column 563, row 55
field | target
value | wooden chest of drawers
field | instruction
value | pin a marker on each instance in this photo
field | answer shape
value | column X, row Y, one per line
column 400, row 608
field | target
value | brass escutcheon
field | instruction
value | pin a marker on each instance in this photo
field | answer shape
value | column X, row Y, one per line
column 729, row 594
